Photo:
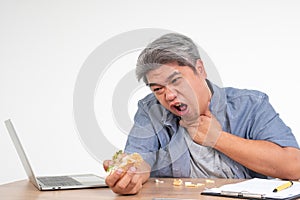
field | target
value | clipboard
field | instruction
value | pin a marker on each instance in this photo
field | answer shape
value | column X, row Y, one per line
column 256, row 188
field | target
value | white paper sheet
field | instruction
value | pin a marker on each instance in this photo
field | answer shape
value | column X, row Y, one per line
column 260, row 186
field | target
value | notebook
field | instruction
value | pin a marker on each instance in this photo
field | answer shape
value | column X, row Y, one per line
column 52, row 182
column 257, row 188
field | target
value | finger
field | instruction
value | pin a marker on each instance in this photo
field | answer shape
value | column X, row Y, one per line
column 207, row 113
column 182, row 123
column 106, row 164
column 126, row 179
column 114, row 177
column 187, row 123
column 135, row 185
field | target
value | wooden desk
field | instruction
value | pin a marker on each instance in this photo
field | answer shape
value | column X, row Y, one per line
column 24, row 190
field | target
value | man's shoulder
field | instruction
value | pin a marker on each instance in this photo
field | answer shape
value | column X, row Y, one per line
column 155, row 113
column 148, row 98
column 150, row 104
column 148, row 101
column 234, row 94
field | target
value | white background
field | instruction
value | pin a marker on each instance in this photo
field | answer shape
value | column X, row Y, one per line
column 254, row 44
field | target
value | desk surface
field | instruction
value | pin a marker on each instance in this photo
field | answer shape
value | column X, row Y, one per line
column 26, row 191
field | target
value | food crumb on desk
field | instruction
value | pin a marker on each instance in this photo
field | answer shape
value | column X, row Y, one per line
column 177, row 182
column 190, row 184
column 209, row 181
column 158, row 181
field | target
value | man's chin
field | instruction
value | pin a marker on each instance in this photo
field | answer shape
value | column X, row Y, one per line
column 190, row 117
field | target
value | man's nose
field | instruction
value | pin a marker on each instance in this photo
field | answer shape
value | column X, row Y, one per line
column 170, row 94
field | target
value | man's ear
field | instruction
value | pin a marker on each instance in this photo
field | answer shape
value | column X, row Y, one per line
column 200, row 68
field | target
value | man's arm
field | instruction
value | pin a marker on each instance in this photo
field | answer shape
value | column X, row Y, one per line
column 260, row 156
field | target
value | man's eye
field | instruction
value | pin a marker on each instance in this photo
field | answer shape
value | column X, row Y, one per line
column 175, row 80
column 156, row 89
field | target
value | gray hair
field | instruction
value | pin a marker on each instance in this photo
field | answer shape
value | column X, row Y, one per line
column 166, row 49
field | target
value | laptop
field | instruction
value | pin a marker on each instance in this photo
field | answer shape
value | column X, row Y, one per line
column 52, row 182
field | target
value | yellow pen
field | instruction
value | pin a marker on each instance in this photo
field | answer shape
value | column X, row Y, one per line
column 283, row 186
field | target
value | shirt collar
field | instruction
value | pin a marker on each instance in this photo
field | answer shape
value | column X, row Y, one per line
column 218, row 101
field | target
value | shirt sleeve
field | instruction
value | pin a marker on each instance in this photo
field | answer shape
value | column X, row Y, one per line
column 165, row 152
column 267, row 125
column 142, row 138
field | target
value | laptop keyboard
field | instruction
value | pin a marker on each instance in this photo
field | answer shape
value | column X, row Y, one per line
column 58, row 181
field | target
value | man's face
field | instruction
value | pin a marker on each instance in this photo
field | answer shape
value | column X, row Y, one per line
column 180, row 90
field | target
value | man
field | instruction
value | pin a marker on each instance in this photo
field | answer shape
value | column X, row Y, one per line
column 189, row 127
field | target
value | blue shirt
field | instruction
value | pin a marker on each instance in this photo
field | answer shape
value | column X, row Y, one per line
column 157, row 136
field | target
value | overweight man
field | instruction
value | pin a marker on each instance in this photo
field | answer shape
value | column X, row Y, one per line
column 190, row 127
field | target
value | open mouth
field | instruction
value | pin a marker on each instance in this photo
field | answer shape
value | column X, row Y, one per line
column 180, row 108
